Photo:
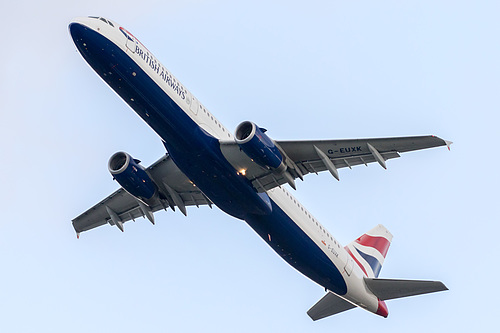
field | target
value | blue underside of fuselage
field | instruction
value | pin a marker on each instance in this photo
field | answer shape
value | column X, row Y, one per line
column 198, row 155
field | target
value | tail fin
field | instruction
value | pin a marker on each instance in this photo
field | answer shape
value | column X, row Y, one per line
column 369, row 250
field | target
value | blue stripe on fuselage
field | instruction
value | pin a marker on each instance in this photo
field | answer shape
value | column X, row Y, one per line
column 297, row 248
column 198, row 155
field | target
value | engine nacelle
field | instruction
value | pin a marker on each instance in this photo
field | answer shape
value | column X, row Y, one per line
column 258, row 146
column 132, row 176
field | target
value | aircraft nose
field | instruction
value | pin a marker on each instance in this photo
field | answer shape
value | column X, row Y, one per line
column 72, row 27
column 77, row 32
column 75, row 29
column 78, row 26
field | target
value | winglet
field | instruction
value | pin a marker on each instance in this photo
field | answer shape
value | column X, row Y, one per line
column 77, row 235
column 448, row 144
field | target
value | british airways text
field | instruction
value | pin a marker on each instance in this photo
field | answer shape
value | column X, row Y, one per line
column 161, row 71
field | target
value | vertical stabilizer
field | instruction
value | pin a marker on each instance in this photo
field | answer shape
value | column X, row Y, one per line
column 369, row 250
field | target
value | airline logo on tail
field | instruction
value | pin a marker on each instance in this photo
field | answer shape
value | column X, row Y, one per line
column 369, row 250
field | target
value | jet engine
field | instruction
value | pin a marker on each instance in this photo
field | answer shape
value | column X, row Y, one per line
column 258, row 146
column 132, row 176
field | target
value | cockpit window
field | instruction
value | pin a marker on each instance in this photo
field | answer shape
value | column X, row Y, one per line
column 102, row 19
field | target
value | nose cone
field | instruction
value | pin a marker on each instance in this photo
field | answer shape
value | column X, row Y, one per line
column 79, row 34
column 73, row 28
column 78, row 26
column 382, row 309
column 89, row 42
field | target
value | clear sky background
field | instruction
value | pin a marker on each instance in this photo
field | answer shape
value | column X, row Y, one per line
column 303, row 70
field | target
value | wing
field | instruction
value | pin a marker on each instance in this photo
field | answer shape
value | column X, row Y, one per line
column 175, row 190
column 304, row 157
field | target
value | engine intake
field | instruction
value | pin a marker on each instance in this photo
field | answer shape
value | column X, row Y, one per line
column 258, row 146
column 132, row 176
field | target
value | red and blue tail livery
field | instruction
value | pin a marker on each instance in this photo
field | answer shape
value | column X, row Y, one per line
column 369, row 250
column 247, row 175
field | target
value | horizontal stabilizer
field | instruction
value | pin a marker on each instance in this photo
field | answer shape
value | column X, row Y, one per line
column 386, row 289
column 329, row 305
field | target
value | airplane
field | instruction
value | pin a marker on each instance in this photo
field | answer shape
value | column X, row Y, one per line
column 245, row 174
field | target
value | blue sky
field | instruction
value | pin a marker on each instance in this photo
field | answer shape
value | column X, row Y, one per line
column 315, row 70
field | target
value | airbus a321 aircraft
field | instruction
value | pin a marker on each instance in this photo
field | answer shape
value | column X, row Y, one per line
column 244, row 174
